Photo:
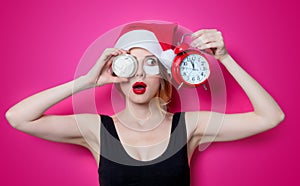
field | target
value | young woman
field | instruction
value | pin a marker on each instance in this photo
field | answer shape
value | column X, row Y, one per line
column 144, row 144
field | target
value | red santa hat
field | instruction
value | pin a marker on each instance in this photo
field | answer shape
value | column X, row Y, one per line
column 158, row 38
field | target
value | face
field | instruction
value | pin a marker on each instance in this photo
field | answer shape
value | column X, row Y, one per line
column 144, row 85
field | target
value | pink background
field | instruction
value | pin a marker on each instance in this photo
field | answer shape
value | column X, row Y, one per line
column 43, row 41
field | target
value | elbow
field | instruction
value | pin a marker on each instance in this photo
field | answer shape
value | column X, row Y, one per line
column 277, row 119
column 281, row 118
column 9, row 115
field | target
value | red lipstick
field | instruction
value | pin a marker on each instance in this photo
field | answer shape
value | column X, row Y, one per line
column 139, row 87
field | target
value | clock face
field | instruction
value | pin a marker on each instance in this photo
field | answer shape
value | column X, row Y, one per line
column 194, row 69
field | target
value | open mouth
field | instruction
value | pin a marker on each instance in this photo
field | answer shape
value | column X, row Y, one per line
column 139, row 88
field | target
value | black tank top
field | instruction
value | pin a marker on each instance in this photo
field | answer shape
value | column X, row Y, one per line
column 117, row 168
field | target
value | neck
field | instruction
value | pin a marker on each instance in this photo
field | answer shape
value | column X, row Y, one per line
column 143, row 117
column 143, row 111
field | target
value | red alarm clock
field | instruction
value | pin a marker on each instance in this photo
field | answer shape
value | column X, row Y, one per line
column 190, row 67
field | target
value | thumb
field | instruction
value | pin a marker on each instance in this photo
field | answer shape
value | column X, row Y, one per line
column 208, row 51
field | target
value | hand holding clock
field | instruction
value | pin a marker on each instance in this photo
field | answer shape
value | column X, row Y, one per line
column 211, row 41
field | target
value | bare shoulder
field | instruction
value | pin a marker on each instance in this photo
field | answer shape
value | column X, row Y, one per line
column 192, row 119
column 197, row 124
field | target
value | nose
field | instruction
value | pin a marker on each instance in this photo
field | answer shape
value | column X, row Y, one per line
column 140, row 71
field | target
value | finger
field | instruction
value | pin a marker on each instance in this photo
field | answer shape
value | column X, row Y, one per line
column 116, row 52
column 110, row 52
column 208, row 51
column 124, row 51
column 202, row 31
column 113, row 52
column 107, row 53
column 108, row 64
column 211, row 45
column 207, row 38
column 119, row 52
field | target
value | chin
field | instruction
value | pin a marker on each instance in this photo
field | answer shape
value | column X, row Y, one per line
column 141, row 99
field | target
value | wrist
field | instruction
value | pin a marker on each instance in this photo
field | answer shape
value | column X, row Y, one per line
column 224, row 57
column 82, row 83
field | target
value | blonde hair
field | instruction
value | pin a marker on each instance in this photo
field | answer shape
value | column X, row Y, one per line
column 165, row 88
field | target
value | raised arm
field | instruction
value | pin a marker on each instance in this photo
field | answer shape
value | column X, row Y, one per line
column 266, row 114
column 28, row 115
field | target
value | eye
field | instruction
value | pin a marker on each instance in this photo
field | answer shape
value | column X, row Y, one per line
column 151, row 61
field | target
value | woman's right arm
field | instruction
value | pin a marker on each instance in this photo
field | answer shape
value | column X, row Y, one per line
column 28, row 115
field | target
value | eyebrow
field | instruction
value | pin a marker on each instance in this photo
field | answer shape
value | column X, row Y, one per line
column 150, row 56
column 144, row 57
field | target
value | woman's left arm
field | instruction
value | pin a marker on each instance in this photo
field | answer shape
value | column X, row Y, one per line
column 266, row 114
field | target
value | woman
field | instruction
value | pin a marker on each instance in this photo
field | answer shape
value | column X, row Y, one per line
column 156, row 145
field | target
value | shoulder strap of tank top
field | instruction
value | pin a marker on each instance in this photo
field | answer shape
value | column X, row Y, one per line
column 108, row 123
column 178, row 117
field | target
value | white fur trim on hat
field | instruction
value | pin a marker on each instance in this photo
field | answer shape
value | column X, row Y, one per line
column 147, row 40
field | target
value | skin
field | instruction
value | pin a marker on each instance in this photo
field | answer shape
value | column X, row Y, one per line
column 28, row 115
column 152, row 81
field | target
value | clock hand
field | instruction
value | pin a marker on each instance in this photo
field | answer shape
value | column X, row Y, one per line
column 193, row 65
